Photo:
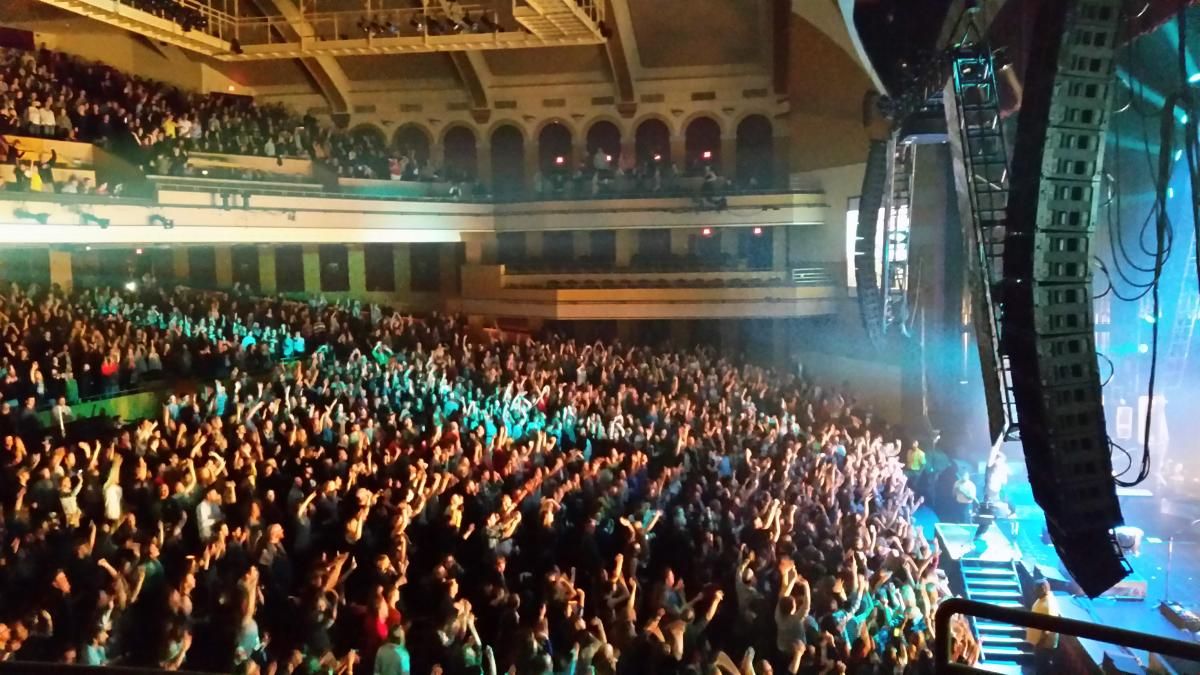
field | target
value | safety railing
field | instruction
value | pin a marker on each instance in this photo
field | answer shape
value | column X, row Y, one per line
column 1153, row 644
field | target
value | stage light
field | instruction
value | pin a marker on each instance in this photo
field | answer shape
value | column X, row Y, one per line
column 706, row 232
column 1143, row 348
column 138, row 251
column 166, row 223
column 1178, row 155
column 89, row 219
column 608, row 157
column 1194, row 78
column 26, row 214
column 203, row 172
column 88, row 247
column 1170, row 193
column 230, row 88
column 657, row 158
column 707, row 154
column 758, row 231
column 559, row 159
column 131, row 286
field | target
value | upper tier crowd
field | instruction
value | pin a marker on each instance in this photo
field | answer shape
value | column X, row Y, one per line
column 389, row 495
column 55, row 95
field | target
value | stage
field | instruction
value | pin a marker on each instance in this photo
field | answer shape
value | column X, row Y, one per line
column 1034, row 558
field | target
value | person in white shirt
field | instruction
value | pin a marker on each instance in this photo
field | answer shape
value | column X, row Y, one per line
column 965, row 496
column 209, row 514
column 997, row 476
column 1045, row 643
column 113, row 492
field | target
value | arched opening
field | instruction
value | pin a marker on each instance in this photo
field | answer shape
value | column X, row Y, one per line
column 461, row 157
column 411, row 144
column 554, row 158
column 702, row 145
column 508, row 161
column 652, row 142
column 755, row 153
column 554, row 148
column 604, row 138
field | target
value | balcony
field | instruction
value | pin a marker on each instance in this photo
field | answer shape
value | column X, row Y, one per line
column 639, row 294
column 224, row 214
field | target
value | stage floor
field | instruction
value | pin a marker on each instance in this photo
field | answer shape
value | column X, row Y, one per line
column 1151, row 564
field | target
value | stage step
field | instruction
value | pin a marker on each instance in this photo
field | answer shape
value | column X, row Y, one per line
column 1001, row 572
column 988, row 641
column 996, row 583
column 1005, row 584
column 1000, row 652
column 992, row 595
column 1000, row 668
column 992, row 628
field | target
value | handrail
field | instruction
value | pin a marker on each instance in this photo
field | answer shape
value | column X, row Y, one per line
column 1055, row 624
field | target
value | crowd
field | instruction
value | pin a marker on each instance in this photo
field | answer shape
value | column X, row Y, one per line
column 51, row 94
column 398, row 498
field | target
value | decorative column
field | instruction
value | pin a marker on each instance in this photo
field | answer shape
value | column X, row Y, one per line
column 779, row 247
column 223, row 261
column 781, row 160
column 729, row 241
column 532, row 166
column 402, row 267
column 356, row 264
column 535, row 245
column 483, row 164
column 312, row 268
column 266, row 269
column 679, row 241
column 581, row 241
column 727, row 166
column 448, row 266
column 60, row 269
column 679, row 152
column 628, row 155
column 625, row 245
column 180, row 264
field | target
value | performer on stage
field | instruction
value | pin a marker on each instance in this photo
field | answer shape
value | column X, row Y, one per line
column 996, row 477
column 965, row 496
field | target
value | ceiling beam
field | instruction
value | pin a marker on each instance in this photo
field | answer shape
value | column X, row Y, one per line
column 476, row 77
column 623, row 58
column 324, row 70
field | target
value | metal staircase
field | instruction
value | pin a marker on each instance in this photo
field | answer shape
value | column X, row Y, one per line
column 1002, row 647
column 1183, row 331
column 985, row 160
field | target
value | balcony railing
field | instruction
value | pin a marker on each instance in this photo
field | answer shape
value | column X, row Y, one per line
column 1153, row 644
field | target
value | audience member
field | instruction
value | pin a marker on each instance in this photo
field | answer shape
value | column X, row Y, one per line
column 406, row 499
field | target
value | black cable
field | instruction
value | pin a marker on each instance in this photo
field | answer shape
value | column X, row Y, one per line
column 1112, row 369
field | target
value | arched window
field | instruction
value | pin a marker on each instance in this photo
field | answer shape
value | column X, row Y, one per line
column 461, row 156
column 755, row 152
column 605, row 137
column 554, row 148
column 411, row 140
column 508, row 161
column 702, row 145
column 652, row 142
